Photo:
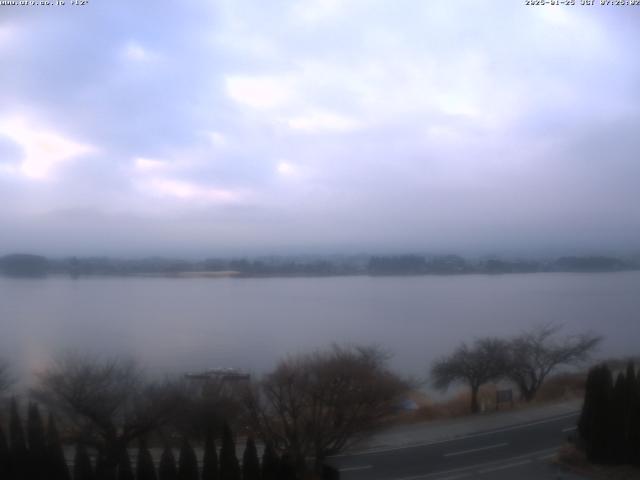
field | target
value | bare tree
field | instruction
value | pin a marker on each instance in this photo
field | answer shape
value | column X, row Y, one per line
column 317, row 404
column 108, row 401
column 534, row 354
column 475, row 365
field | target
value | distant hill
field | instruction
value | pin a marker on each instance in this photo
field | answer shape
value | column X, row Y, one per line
column 29, row 265
column 24, row 265
column 590, row 264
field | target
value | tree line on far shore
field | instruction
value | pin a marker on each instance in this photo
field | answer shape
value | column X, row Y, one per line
column 29, row 265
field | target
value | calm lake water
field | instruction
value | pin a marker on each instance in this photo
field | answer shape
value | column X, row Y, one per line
column 176, row 325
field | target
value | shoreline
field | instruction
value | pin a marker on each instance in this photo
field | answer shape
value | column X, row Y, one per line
column 213, row 274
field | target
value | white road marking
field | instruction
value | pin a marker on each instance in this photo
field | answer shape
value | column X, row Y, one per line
column 455, row 477
column 569, row 429
column 472, row 450
column 474, row 435
column 547, row 457
column 353, row 469
column 472, row 468
column 504, row 467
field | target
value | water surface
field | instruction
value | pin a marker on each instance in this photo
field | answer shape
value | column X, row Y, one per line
column 177, row 325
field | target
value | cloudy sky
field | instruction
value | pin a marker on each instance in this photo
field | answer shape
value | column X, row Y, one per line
column 233, row 126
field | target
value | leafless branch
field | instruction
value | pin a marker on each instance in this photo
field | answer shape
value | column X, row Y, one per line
column 317, row 404
column 536, row 353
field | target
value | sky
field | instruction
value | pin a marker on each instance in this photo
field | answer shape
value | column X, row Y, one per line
column 318, row 126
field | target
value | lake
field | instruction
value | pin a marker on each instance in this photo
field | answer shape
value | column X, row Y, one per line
column 175, row 325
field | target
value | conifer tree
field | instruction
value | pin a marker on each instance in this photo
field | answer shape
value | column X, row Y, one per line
column 5, row 458
column 104, row 471
column 632, row 411
column 593, row 425
column 635, row 454
column 58, row 468
column 99, row 469
column 330, row 473
column 18, row 448
column 250, row 462
column 167, row 469
column 287, row 467
column 586, row 420
column 188, row 462
column 125, row 472
column 82, row 468
column 617, row 444
column 229, row 467
column 38, row 467
column 145, row 469
column 210, row 459
column 270, row 463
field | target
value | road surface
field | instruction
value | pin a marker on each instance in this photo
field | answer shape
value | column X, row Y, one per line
column 520, row 451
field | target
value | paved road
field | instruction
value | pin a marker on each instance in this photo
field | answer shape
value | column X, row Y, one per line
column 518, row 451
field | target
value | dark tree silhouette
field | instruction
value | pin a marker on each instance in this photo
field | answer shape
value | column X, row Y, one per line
column 635, row 422
column 19, row 452
column 167, row 469
column 270, row 463
column 535, row 354
column 617, row 422
column 594, row 423
column 206, row 406
column 38, row 467
column 145, row 469
column 632, row 416
column 484, row 361
column 82, row 468
column 250, row 461
column 105, row 470
column 188, row 463
column 229, row 467
column 58, row 468
column 608, row 424
column 5, row 458
column 210, row 459
column 125, row 472
column 288, row 467
column 330, row 473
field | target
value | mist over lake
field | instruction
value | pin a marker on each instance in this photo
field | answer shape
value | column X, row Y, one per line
column 176, row 325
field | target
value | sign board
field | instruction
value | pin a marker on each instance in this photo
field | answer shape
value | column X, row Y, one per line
column 504, row 396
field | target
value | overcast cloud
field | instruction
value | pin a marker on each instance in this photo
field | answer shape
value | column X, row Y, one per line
column 204, row 128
